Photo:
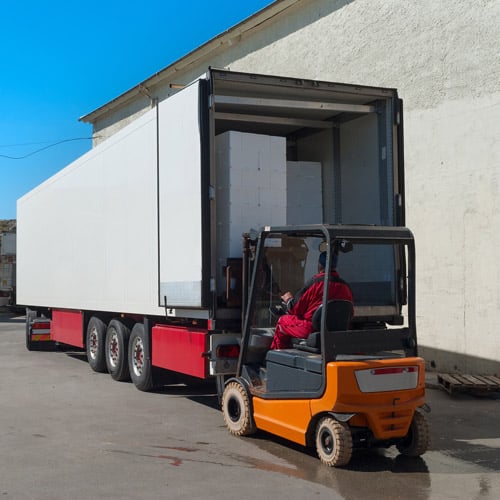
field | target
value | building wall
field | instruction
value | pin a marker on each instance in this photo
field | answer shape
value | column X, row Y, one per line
column 443, row 59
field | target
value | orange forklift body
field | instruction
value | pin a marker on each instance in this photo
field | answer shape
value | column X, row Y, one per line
column 388, row 413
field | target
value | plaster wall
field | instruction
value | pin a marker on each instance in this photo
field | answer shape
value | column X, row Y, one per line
column 443, row 58
column 453, row 208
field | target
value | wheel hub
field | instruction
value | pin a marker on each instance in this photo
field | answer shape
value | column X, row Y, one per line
column 93, row 343
column 327, row 441
column 234, row 410
column 113, row 349
column 138, row 357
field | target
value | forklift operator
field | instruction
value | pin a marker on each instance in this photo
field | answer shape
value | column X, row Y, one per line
column 297, row 322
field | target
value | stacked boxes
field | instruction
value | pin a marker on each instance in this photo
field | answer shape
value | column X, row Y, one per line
column 251, row 189
column 257, row 187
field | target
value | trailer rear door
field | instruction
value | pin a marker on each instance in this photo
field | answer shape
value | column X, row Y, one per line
column 182, row 199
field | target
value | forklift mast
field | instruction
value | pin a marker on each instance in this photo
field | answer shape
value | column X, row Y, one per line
column 377, row 262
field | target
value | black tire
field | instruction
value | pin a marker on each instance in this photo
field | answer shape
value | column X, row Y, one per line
column 95, row 344
column 333, row 442
column 117, row 337
column 417, row 440
column 139, row 359
column 236, row 410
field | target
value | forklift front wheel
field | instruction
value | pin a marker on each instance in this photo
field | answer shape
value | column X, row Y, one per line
column 333, row 442
column 236, row 410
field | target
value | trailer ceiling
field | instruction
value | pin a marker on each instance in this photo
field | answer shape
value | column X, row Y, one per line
column 283, row 106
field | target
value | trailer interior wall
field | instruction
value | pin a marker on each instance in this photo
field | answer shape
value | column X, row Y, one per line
column 355, row 189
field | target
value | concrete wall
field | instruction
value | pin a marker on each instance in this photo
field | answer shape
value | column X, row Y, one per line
column 442, row 56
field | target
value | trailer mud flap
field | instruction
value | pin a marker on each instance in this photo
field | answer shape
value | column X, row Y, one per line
column 180, row 349
column 67, row 327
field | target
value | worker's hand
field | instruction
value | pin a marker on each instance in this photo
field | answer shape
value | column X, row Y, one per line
column 286, row 297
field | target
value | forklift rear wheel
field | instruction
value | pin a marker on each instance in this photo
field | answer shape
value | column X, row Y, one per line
column 236, row 410
column 417, row 440
column 333, row 442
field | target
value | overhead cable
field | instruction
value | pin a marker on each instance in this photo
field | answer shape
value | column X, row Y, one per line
column 44, row 148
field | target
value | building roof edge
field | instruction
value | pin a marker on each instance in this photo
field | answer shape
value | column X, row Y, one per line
column 204, row 50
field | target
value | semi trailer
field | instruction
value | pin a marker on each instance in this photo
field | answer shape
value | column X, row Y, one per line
column 142, row 251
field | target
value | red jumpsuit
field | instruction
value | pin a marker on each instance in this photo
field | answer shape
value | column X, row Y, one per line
column 298, row 321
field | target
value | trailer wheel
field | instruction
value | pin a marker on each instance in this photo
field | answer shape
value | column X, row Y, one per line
column 417, row 440
column 333, row 442
column 117, row 336
column 95, row 344
column 139, row 360
column 236, row 410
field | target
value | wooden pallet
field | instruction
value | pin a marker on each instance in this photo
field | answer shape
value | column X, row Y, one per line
column 454, row 382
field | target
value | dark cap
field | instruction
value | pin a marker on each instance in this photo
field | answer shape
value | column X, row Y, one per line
column 322, row 260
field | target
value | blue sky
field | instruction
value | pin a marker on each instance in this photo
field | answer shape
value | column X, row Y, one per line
column 59, row 60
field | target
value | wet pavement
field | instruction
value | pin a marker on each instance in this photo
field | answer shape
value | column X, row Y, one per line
column 69, row 433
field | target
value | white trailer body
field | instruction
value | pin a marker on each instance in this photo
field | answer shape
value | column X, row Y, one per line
column 147, row 223
column 87, row 237
column 133, row 221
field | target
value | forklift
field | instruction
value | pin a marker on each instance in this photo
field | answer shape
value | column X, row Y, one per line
column 357, row 380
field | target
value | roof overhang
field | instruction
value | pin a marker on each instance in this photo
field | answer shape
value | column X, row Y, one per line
column 197, row 56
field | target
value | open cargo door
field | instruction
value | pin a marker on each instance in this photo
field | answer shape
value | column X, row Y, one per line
column 343, row 142
column 182, row 198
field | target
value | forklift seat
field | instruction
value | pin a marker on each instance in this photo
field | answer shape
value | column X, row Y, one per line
column 338, row 318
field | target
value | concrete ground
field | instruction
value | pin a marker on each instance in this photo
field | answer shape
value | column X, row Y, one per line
column 69, row 433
